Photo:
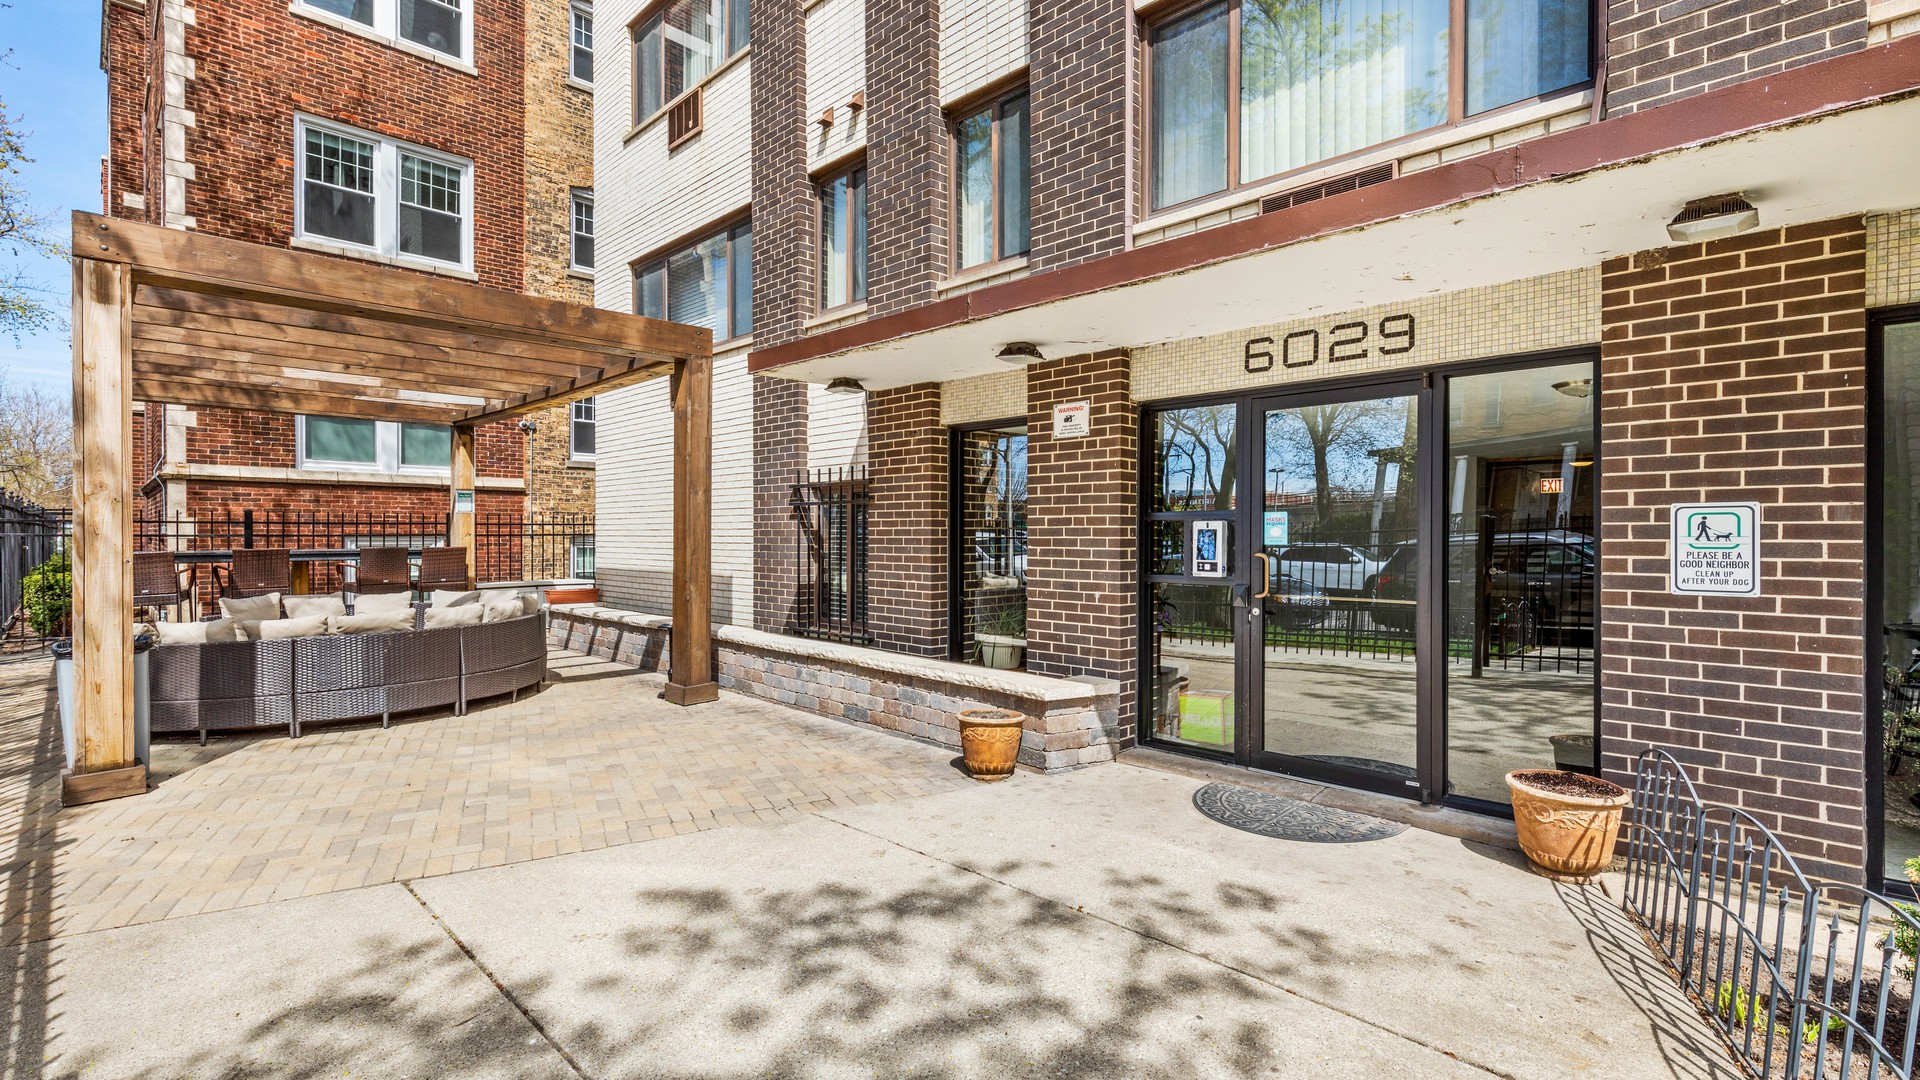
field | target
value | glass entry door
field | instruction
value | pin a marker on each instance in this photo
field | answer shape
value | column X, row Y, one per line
column 1335, row 633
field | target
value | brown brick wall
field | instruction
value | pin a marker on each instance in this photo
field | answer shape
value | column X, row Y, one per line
column 559, row 152
column 555, row 485
column 779, row 455
column 907, row 156
column 1735, row 371
column 1660, row 51
column 1082, row 526
column 235, row 437
column 1079, row 103
column 784, row 216
column 907, row 520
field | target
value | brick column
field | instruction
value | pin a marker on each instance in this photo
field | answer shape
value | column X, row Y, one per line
column 907, row 520
column 1082, row 525
column 1079, row 140
column 907, row 166
column 783, row 258
column 1735, row 371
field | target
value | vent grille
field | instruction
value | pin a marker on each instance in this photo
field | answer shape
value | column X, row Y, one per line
column 684, row 117
column 1378, row 174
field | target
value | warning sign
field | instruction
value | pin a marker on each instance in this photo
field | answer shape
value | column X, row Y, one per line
column 1071, row 419
column 1716, row 549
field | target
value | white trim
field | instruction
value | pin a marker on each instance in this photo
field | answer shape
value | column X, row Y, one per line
column 386, row 31
column 386, row 196
column 577, row 195
column 582, row 7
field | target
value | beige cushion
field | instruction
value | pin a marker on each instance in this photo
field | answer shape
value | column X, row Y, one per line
column 273, row 629
column 251, row 608
column 376, row 622
column 444, row 598
column 302, row 607
column 195, row 633
column 496, row 607
column 378, row 603
column 464, row 615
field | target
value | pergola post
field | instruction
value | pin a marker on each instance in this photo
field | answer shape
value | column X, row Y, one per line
column 104, row 765
column 460, row 515
column 690, row 660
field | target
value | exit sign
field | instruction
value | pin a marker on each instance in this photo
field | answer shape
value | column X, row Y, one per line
column 1552, row 485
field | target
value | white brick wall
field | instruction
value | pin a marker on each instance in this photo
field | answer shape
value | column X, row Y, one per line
column 836, row 429
column 980, row 41
column 634, row 495
column 836, row 69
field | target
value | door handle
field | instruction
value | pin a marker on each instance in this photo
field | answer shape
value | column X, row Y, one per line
column 1266, row 575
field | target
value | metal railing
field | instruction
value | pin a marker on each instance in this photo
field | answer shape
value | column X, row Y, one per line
column 1801, row 978
column 830, row 549
column 30, row 535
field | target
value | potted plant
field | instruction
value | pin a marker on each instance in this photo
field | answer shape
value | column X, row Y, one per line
column 1568, row 823
column 1002, row 637
column 990, row 742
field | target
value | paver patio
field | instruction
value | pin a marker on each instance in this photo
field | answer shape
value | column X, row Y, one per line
column 1089, row 924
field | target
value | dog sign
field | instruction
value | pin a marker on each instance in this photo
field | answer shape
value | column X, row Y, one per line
column 1716, row 549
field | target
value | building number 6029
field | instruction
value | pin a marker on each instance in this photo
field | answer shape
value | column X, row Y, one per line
column 1347, row 341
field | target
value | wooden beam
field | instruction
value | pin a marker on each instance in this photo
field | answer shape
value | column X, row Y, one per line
column 214, row 395
column 460, row 517
column 690, row 678
column 198, row 262
column 104, row 765
column 412, row 344
column 558, row 394
column 244, row 357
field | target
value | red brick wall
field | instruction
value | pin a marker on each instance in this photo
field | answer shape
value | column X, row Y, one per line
column 1735, row 371
column 129, row 125
column 234, row 437
column 1082, row 526
column 907, row 520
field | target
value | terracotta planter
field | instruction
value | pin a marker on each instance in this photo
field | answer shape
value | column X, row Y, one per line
column 1567, row 834
column 573, row 594
column 990, row 742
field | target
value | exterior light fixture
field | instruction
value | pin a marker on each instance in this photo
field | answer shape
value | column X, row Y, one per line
column 529, row 426
column 1713, row 218
column 1021, row 352
column 844, row 385
column 1575, row 388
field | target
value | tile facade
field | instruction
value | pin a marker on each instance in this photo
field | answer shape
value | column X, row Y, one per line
column 1893, row 259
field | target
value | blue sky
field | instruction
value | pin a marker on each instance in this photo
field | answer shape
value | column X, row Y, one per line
column 53, row 83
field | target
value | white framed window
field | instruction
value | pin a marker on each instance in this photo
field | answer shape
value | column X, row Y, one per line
column 708, row 283
column 580, row 432
column 580, row 557
column 437, row 26
column 345, row 444
column 582, row 248
column 580, row 62
column 365, row 192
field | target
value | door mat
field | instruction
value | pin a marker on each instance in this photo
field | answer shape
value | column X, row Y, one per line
column 1289, row 819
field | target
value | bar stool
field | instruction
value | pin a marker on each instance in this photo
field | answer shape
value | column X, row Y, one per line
column 157, row 585
column 443, row 568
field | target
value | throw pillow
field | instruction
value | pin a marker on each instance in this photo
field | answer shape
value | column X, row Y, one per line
column 495, row 607
column 373, row 622
column 302, row 607
column 380, row 603
column 251, row 608
column 273, row 629
column 222, row 630
column 464, row 615
column 181, row 633
column 445, row 598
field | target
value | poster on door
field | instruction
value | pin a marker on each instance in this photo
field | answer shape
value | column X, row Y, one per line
column 1716, row 549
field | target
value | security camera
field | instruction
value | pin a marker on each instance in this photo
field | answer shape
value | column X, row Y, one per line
column 529, row 426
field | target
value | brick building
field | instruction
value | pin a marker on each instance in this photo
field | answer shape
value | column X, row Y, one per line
column 449, row 137
column 1461, row 397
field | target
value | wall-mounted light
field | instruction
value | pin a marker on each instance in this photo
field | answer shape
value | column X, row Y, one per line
column 1020, row 352
column 1713, row 218
column 844, row 385
column 1575, row 388
column 529, row 426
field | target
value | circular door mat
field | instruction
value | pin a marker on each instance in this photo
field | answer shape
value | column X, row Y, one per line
column 1289, row 819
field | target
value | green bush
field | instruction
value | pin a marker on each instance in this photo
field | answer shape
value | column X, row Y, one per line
column 46, row 595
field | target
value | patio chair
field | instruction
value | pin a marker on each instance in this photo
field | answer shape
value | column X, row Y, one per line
column 157, row 583
column 257, row 572
column 383, row 570
column 443, row 568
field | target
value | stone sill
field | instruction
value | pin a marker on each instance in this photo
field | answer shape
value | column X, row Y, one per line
column 308, row 243
column 361, row 30
column 1018, row 684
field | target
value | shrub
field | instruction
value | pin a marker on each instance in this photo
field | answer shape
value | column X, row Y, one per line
column 46, row 595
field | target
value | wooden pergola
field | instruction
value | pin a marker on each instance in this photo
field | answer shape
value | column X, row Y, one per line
column 168, row 316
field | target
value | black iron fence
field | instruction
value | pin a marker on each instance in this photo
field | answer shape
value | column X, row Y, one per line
column 32, row 538
column 830, row 548
column 1802, row 978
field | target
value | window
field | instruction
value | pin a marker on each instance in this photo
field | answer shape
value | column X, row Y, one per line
column 582, row 61
column 682, row 45
column 580, row 557
column 580, row 434
column 990, row 188
column 843, row 239
column 439, row 25
column 582, row 229
column 709, row 283
column 332, row 442
column 386, row 197
column 1243, row 92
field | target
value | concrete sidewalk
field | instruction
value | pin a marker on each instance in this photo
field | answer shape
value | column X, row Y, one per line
column 1091, row 924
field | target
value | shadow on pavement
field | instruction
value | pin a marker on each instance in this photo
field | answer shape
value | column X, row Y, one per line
column 29, row 800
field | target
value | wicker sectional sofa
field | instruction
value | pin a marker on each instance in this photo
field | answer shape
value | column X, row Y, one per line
column 290, row 682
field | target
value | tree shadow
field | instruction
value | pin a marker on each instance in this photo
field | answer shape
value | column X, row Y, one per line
column 30, row 763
